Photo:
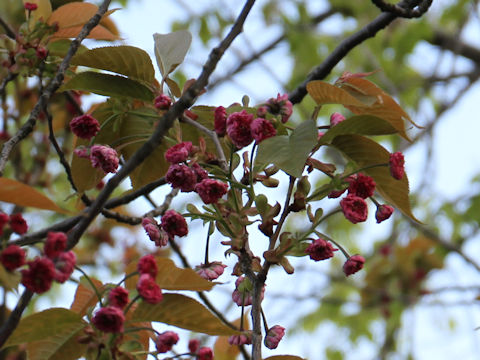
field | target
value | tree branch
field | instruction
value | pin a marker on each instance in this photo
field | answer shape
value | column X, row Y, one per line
column 402, row 11
column 321, row 71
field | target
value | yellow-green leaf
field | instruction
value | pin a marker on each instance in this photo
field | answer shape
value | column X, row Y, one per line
column 360, row 124
column 126, row 60
column 108, row 85
column 20, row 194
column 60, row 347
column 365, row 152
column 222, row 349
column 55, row 325
column 171, row 277
column 9, row 279
column 325, row 93
column 289, row 153
column 134, row 132
column 183, row 312
column 284, row 357
column 85, row 295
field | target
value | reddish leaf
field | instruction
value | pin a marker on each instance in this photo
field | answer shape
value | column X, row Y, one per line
column 17, row 193
column 85, row 296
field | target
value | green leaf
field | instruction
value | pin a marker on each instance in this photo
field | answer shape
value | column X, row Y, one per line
column 60, row 347
column 289, row 153
column 56, row 325
column 170, row 50
column 183, row 312
column 365, row 152
column 135, row 130
column 126, row 60
column 359, row 124
column 108, row 85
column 20, row 194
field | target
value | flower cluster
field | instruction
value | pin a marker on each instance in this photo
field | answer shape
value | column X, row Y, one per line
column 242, row 128
column 191, row 176
column 320, row 249
column 210, row 271
column 155, row 232
column 242, row 295
column 16, row 223
column 101, row 156
column 85, row 126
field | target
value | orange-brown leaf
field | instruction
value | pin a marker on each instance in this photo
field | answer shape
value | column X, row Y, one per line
column 20, row 194
column 85, row 296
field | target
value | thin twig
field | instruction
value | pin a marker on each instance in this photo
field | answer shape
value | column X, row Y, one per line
column 7, row 328
column 321, row 71
column 404, row 12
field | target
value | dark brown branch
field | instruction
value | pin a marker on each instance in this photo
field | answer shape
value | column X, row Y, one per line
column 7, row 328
column 45, row 96
column 321, row 71
column 402, row 11
column 165, row 124
column 8, row 30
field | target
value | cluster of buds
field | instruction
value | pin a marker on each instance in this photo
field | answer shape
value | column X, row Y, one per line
column 172, row 223
column 56, row 264
column 187, row 175
column 101, row 156
column 242, row 127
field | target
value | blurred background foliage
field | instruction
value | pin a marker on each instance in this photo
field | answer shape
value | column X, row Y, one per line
column 429, row 65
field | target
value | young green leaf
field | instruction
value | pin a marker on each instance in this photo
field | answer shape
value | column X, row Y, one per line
column 55, row 324
column 108, row 85
column 126, row 60
column 170, row 50
column 289, row 153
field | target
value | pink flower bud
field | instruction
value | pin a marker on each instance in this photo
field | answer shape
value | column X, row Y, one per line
column 243, row 339
column 165, row 341
column 118, row 297
column 383, row 213
column 273, row 336
column 210, row 271
column 354, row 208
column 205, row 353
column 30, row 6
column 174, row 223
column 211, row 190
column 85, row 126
column 149, row 290
column 280, row 106
column 262, row 129
column 154, row 232
column 353, row 264
column 163, row 102
column 104, row 157
column 238, row 128
column 362, row 186
column 109, row 319
column 181, row 177
column 82, row 152
column 13, row 257
column 39, row 276
column 262, row 111
column 147, row 265
column 56, row 244
column 179, row 152
column 220, row 121
column 64, row 266
column 18, row 224
column 320, row 250
column 397, row 165
column 193, row 345
column 336, row 118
